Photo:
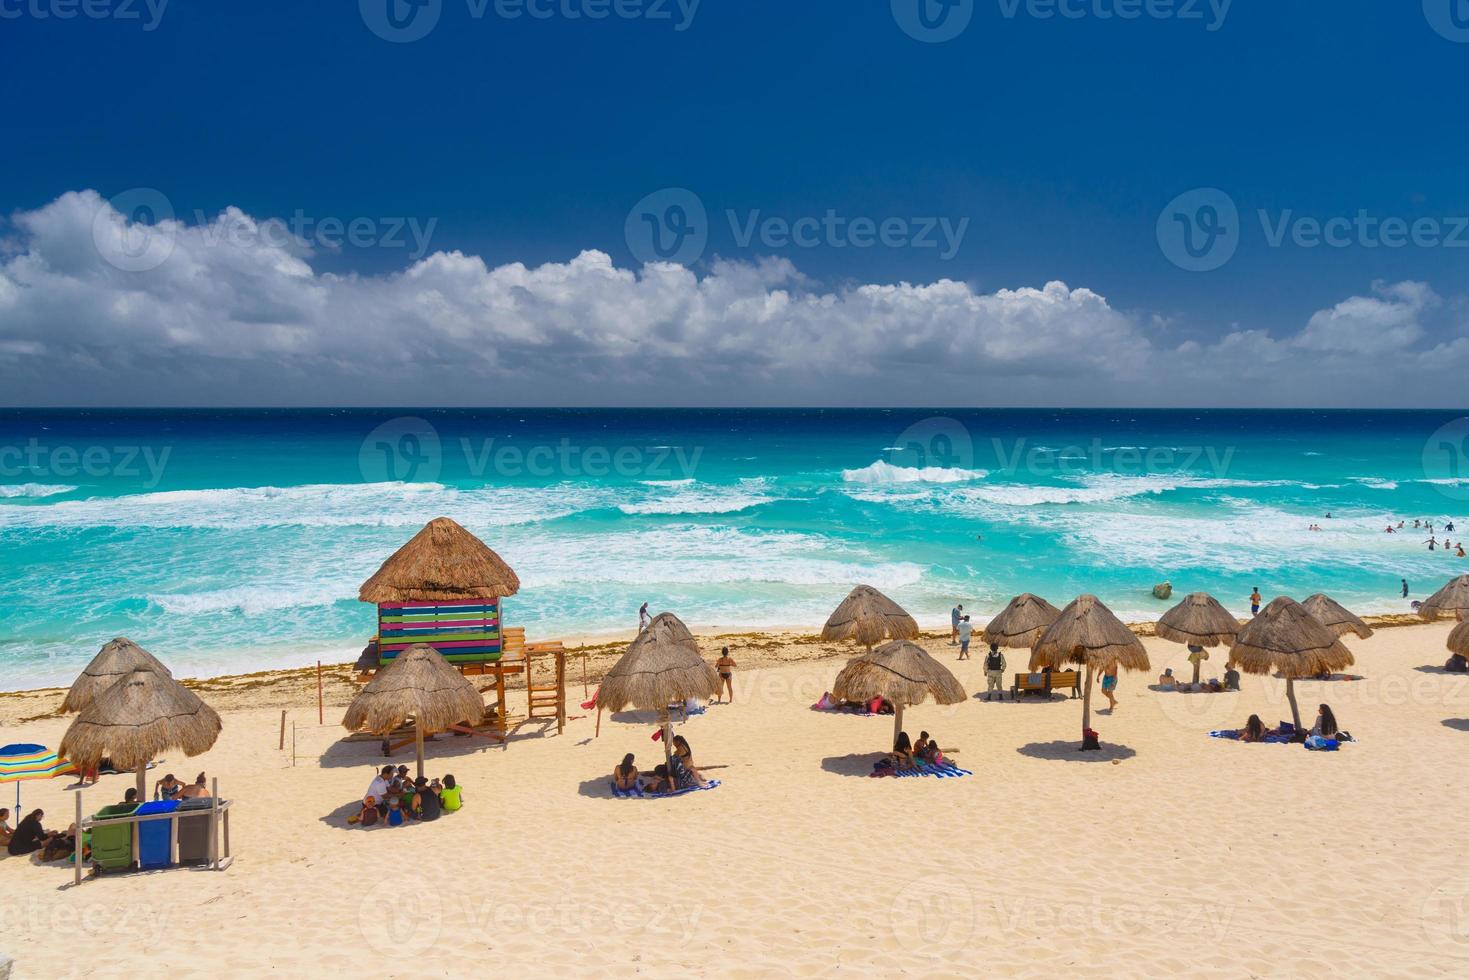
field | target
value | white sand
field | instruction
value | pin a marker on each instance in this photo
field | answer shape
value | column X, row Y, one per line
column 1188, row 856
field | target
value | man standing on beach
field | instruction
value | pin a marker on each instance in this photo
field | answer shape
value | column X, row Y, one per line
column 994, row 672
column 1255, row 601
column 643, row 618
column 955, row 614
column 966, row 630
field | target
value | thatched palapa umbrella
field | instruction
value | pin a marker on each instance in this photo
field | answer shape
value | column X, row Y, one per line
column 439, row 563
column 869, row 617
column 1335, row 617
column 1451, row 600
column 118, row 658
column 1087, row 633
column 1286, row 638
column 1022, row 622
column 141, row 716
column 661, row 666
column 1198, row 621
column 1458, row 642
column 901, row 672
column 417, row 684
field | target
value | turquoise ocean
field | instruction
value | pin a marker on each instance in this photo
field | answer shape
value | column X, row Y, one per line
column 230, row 541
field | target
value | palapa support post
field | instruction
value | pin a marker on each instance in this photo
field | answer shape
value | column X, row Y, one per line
column 283, row 730
column 142, row 781
column 1086, row 705
column 667, row 727
column 320, row 710
column 897, row 723
column 76, row 857
column 1290, row 695
column 418, row 745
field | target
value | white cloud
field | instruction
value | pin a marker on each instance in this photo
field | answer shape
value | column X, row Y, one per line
column 242, row 318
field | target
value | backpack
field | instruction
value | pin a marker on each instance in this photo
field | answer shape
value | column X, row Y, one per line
column 995, row 661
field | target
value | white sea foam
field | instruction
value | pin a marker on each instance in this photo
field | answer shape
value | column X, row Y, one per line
column 883, row 472
column 33, row 491
column 1375, row 482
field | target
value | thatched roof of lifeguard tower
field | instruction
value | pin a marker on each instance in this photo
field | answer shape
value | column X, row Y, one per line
column 1451, row 600
column 1087, row 632
column 1335, row 617
column 1284, row 637
column 660, row 667
column 869, row 617
column 440, row 563
column 118, row 658
column 1198, row 620
column 1022, row 622
column 140, row 717
column 417, row 684
column 901, row 672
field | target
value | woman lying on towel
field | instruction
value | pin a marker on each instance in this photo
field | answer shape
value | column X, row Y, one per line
column 661, row 782
column 1254, row 730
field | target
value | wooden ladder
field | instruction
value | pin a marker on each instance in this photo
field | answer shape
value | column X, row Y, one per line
column 546, row 700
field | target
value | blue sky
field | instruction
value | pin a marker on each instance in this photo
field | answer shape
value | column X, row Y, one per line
column 1053, row 144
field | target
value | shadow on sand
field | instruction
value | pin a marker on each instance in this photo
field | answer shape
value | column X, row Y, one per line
column 1070, row 751
column 349, row 752
column 858, row 764
column 1457, row 724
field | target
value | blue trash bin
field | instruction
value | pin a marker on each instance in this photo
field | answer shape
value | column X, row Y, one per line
column 153, row 835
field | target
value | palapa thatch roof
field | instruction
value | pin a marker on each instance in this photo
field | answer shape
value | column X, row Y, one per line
column 1286, row 638
column 1087, row 632
column 1451, row 600
column 441, row 562
column 900, row 671
column 118, row 658
column 660, row 667
column 1200, row 620
column 1335, row 617
column 869, row 617
column 141, row 716
column 417, row 684
column 1022, row 622
column 1459, row 639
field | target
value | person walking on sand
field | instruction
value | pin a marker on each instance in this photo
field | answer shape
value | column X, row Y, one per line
column 966, row 631
column 1109, row 686
column 994, row 673
column 725, row 665
column 643, row 618
column 955, row 615
column 1255, row 601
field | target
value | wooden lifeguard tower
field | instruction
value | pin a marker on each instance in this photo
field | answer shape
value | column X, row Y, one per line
column 445, row 588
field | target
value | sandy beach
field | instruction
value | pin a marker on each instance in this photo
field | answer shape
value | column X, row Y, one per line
column 1169, row 853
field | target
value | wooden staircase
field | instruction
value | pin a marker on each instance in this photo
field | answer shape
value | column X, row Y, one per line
column 547, row 699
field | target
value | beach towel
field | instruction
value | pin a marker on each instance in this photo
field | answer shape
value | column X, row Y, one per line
column 1234, row 735
column 942, row 770
column 629, row 794
column 592, row 704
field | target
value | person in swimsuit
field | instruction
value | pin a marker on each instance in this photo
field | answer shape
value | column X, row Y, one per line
column 1254, row 730
column 1255, row 601
column 902, row 754
column 725, row 665
column 5, row 829
column 196, row 789
column 683, row 758
column 625, row 775
column 1109, row 686
column 920, row 746
column 167, row 788
column 1167, row 681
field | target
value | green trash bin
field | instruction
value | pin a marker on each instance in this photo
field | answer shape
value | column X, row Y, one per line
column 112, row 843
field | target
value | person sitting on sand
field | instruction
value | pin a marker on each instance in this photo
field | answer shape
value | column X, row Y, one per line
column 1167, row 681
column 625, row 774
column 902, row 754
column 60, row 845
column 167, row 788
column 378, row 788
column 1457, row 664
column 930, row 754
column 725, row 665
column 195, row 790
column 29, row 835
column 1325, row 726
column 1254, row 730
column 920, row 746
column 396, row 816
column 683, row 759
column 5, row 829
column 1231, row 677
column 426, row 804
column 452, row 795
column 130, row 798
column 369, row 815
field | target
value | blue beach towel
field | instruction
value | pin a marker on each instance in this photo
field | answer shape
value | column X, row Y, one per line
column 638, row 794
column 944, row 770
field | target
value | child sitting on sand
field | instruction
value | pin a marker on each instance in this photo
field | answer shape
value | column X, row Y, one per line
column 395, row 812
column 5, row 829
column 452, row 795
column 369, row 815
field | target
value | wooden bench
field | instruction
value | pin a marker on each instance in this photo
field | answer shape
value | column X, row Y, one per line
column 1038, row 682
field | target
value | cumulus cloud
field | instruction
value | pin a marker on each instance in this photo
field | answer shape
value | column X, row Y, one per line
column 95, row 308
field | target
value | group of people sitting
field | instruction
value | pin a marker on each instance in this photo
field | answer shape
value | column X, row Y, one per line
column 679, row 773
column 30, row 837
column 170, row 788
column 1325, row 727
column 393, row 798
column 1168, row 681
column 908, row 755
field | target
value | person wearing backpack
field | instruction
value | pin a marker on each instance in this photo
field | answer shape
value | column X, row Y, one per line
column 994, row 672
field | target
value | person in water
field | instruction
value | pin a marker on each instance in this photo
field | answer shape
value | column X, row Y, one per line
column 1405, row 588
